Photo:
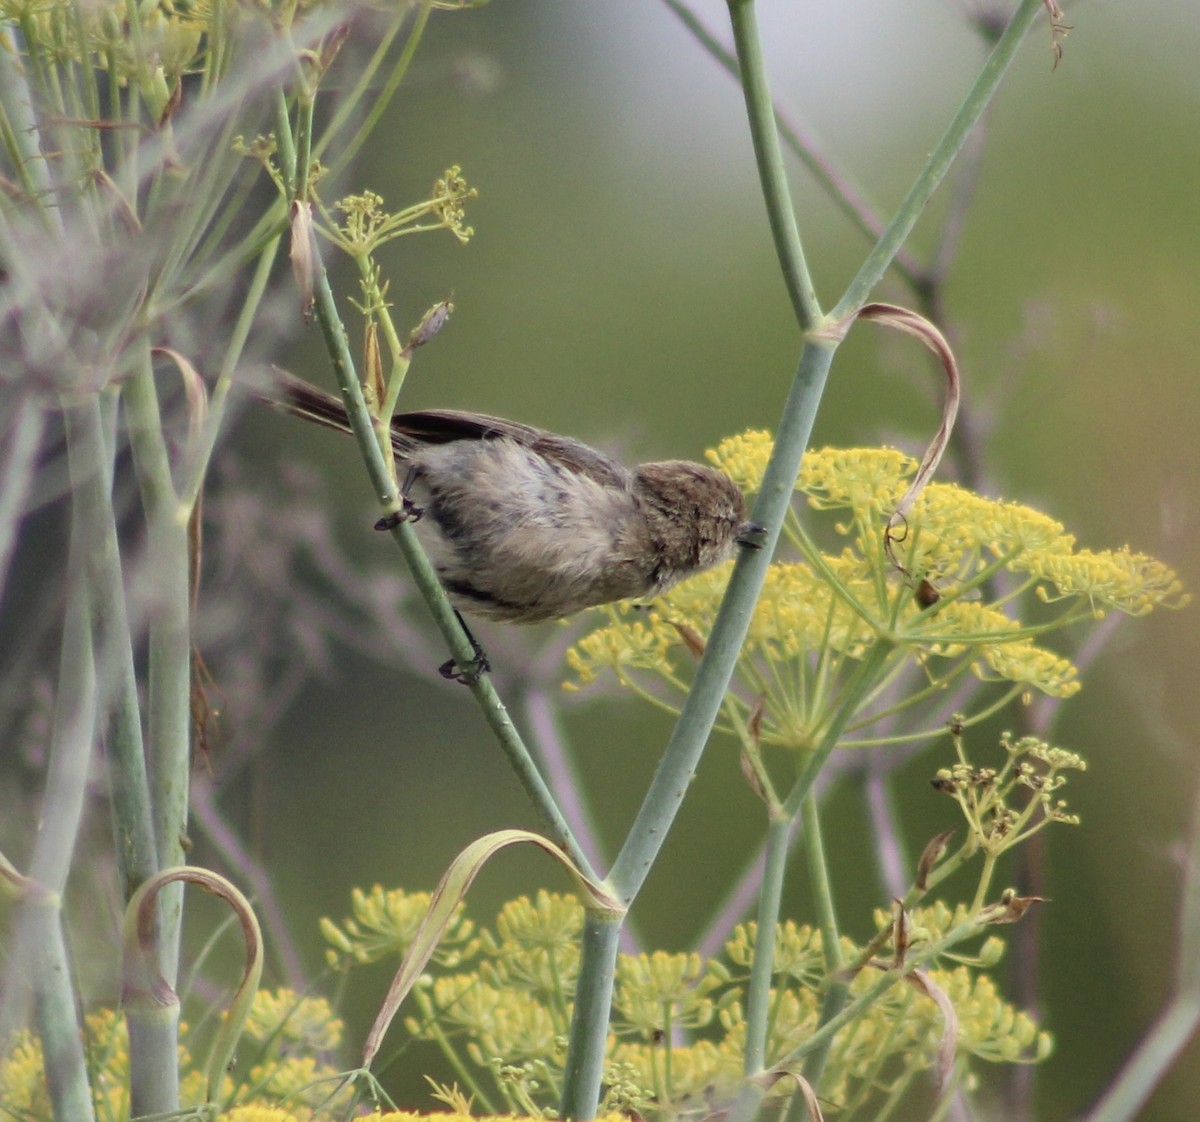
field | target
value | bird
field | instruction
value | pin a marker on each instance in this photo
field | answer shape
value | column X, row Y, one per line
column 523, row 525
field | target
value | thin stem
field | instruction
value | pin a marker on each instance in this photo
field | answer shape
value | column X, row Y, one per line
column 771, row 173
column 837, row 991
column 202, row 454
column 425, row 578
column 955, row 136
column 835, row 181
column 758, row 991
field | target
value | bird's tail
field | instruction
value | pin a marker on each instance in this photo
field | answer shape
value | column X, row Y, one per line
column 300, row 399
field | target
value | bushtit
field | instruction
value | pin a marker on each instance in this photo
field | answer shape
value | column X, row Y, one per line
column 523, row 525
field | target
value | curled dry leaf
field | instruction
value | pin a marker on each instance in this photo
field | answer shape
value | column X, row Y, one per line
column 948, row 1045
column 1010, row 908
column 812, row 1107
column 902, row 319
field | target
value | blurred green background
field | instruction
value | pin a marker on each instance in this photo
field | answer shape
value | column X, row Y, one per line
column 621, row 287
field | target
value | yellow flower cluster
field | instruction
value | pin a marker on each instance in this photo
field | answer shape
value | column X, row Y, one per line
column 292, row 1034
column 509, row 1015
column 946, row 592
column 366, row 226
column 385, row 923
column 1005, row 806
column 169, row 40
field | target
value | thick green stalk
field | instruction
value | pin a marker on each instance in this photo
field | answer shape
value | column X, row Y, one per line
column 690, row 734
column 133, row 823
column 38, row 956
column 955, row 136
column 780, row 213
column 589, row 1023
column 703, row 703
column 169, row 704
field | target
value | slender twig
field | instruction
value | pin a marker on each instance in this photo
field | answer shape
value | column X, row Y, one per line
column 780, row 214
column 943, row 155
column 833, row 179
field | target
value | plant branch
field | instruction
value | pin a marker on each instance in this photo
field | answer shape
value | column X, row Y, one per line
column 771, row 173
column 955, row 136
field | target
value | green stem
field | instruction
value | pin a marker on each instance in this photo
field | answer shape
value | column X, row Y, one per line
column 859, row 686
column 37, row 959
column 836, row 989
column 425, row 578
column 202, row 453
column 62, row 1045
column 771, row 173
column 169, row 693
column 133, row 821
column 985, row 881
column 976, row 101
column 589, row 1024
column 703, row 703
column 694, row 725
column 758, row 992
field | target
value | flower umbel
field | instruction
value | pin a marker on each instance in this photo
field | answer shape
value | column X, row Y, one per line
column 969, row 585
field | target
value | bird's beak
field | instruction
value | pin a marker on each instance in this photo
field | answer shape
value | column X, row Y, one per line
column 751, row 535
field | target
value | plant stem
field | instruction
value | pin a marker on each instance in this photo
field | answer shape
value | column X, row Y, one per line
column 38, row 958
column 955, row 136
column 836, row 988
column 700, row 710
column 169, row 705
column 425, row 578
column 771, row 173
column 589, row 1023
column 758, row 992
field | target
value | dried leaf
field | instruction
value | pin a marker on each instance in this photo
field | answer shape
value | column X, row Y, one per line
column 812, row 1107
column 1009, row 908
column 903, row 319
column 302, row 256
column 447, row 896
column 750, row 774
column 691, row 639
column 930, row 856
column 948, row 1046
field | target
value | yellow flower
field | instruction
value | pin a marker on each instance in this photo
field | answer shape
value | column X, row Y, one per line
column 743, row 458
column 868, row 481
column 282, row 1013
